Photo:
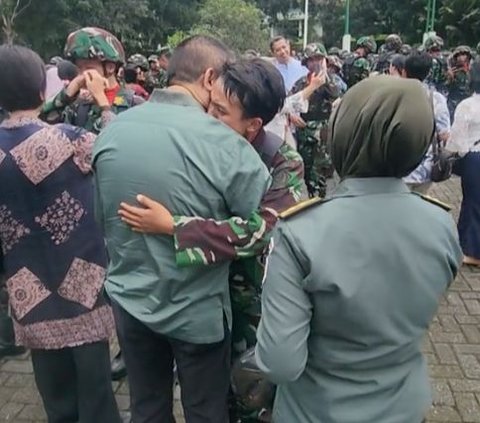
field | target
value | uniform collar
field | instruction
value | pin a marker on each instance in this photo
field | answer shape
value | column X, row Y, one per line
column 357, row 187
column 173, row 97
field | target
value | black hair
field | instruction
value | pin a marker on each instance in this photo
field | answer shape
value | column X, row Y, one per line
column 418, row 65
column 475, row 77
column 194, row 56
column 398, row 62
column 67, row 71
column 23, row 78
column 258, row 86
column 276, row 40
column 130, row 73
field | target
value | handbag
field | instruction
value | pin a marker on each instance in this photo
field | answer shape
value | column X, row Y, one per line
column 443, row 160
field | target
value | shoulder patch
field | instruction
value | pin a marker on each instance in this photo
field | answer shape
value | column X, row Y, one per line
column 304, row 205
column 436, row 202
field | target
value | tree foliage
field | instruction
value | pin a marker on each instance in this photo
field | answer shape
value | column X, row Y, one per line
column 237, row 23
column 143, row 24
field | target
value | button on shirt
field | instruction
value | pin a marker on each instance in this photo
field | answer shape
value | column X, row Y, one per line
column 291, row 72
column 172, row 151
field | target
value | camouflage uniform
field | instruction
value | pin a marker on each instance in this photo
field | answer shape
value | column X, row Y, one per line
column 459, row 79
column 155, row 78
column 392, row 46
column 439, row 75
column 357, row 67
column 312, row 140
column 89, row 43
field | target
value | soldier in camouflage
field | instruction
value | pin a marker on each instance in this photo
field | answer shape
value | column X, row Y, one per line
column 156, row 77
column 393, row 45
column 312, row 132
column 356, row 65
column 458, row 78
column 91, row 50
column 439, row 75
column 406, row 49
column 247, row 95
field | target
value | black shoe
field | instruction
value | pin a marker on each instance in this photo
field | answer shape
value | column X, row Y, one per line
column 11, row 351
column 118, row 369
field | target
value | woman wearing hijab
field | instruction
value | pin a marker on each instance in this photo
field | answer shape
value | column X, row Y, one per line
column 465, row 141
column 353, row 282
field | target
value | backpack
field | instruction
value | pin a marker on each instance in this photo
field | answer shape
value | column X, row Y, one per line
column 268, row 146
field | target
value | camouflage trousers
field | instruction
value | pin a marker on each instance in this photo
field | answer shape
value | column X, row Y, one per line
column 312, row 146
column 245, row 294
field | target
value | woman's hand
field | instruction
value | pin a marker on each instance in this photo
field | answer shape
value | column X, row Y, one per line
column 151, row 218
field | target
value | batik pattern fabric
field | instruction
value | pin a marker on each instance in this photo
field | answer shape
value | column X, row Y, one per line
column 52, row 252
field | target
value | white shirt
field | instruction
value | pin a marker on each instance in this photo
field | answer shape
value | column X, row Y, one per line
column 466, row 127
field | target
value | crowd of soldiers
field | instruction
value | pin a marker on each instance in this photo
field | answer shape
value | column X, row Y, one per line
column 449, row 76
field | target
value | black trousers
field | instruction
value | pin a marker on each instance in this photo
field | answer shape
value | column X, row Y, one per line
column 75, row 384
column 203, row 372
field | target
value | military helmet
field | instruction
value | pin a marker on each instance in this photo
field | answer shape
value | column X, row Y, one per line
column 164, row 50
column 249, row 384
column 335, row 62
column 139, row 60
column 152, row 58
column 434, row 42
column 406, row 49
column 55, row 61
column 393, row 42
column 313, row 50
column 462, row 50
column 94, row 43
column 367, row 43
column 334, row 51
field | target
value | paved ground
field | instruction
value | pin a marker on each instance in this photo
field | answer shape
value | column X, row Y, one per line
column 452, row 348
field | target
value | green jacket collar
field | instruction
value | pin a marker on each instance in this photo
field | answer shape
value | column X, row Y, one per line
column 356, row 187
column 173, row 97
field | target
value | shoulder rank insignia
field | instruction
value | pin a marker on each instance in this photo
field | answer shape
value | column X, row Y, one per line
column 436, row 202
column 297, row 208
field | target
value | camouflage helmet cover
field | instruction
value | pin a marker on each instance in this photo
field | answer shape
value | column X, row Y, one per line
column 393, row 42
column 335, row 61
column 462, row 50
column 434, row 42
column 406, row 49
column 94, row 43
column 249, row 384
column 368, row 43
column 139, row 61
column 334, row 51
column 314, row 50
column 152, row 58
column 55, row 60
column 164, row 50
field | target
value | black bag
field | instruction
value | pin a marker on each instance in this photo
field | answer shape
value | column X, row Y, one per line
column 443, row 160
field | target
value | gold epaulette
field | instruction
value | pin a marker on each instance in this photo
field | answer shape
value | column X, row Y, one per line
column 436, row 202
column 297, row 208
